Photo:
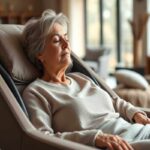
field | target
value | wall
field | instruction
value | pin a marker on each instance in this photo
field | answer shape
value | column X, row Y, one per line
column 77, row 27
column 52, row 4
column 20, row 6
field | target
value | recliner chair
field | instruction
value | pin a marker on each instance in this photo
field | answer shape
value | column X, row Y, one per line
column 16, row 72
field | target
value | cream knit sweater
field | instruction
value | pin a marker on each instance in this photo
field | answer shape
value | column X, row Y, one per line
column 77, row 112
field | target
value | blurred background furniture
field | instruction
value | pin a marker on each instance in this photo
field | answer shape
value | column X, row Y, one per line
column 98, row 60
column 133, row 87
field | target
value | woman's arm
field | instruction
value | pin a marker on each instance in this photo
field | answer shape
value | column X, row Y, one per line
column 126, row 109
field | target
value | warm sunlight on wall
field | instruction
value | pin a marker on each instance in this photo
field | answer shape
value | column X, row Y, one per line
column 74, row 10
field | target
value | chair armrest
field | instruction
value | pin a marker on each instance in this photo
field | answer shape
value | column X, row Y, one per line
column 36, row 139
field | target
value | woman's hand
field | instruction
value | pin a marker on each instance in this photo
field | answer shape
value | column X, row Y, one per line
column 112, row 142
column 141, row 118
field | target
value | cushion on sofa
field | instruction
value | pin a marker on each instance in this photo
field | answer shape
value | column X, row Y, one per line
column 131, row 79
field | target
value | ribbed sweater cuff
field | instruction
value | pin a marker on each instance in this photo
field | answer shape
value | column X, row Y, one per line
column 133, row 111
column 99, row 132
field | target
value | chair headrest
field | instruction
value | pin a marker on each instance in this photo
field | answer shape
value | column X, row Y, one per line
column 12, row 55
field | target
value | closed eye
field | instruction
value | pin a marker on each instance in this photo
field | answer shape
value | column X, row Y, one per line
column 56, row 39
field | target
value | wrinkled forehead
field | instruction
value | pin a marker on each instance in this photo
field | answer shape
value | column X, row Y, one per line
column 58, row 29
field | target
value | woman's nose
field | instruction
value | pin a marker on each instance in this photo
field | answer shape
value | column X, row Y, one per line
column 65, row 44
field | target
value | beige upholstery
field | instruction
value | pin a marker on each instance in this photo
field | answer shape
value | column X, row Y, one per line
column 12, row 55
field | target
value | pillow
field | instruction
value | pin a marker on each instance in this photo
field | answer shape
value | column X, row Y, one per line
column 131, row 79
column 12, row 55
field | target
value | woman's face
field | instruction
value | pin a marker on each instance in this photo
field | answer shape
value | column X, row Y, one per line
column 56, row 53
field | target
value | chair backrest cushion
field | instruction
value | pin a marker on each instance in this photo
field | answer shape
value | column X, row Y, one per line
column 12, row 55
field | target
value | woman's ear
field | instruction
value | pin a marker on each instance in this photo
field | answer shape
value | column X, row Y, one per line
column 39, row 56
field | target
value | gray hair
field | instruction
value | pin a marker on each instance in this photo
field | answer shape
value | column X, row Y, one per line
column 36, row 32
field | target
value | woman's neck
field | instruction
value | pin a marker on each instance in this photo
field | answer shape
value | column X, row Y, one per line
column 58, row 77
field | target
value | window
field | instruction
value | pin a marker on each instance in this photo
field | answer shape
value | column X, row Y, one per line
column 109, row 30
column 93, row 25
column 107, row 25
column 126, row 33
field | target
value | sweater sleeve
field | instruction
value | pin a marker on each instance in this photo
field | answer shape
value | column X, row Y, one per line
column 126, row 109
column 41, row 117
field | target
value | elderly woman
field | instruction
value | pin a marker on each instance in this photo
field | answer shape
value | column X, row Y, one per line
column 70, row 105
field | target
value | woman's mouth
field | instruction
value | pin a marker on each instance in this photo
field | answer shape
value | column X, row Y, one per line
column 65, row 53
